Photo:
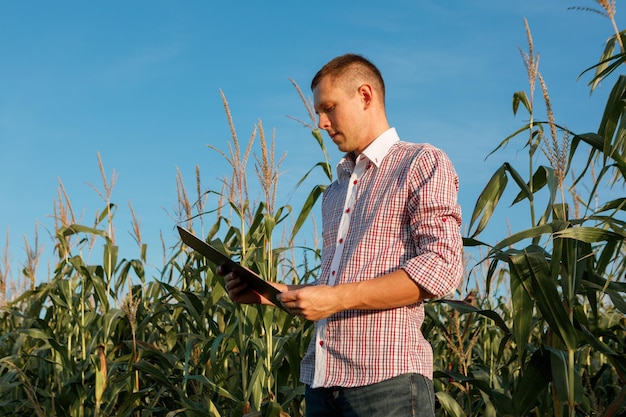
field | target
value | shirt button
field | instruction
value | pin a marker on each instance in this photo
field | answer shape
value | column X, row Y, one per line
column 355, row 181
column 321, row 343
column 333, row 273
column 348, row 210
column 340, row 240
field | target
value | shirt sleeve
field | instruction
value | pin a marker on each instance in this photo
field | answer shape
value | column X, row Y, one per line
column 435, row 223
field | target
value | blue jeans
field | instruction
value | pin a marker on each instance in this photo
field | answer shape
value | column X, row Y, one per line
column 410, row 395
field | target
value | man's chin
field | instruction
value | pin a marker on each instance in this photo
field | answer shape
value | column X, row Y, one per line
column 342, row 146
column 345, row 147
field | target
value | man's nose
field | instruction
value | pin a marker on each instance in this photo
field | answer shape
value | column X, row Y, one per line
column 324, row 122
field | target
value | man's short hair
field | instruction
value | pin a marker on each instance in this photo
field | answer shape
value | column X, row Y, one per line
column 350, row 69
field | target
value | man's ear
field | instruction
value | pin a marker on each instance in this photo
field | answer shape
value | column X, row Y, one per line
column 367, row 95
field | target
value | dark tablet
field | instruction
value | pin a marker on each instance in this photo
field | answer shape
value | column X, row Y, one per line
column 254, row 281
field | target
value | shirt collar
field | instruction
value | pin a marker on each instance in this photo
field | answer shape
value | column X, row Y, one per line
column 378, row 149
column 375, row 151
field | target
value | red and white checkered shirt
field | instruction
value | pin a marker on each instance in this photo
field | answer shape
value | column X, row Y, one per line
column 395, row 207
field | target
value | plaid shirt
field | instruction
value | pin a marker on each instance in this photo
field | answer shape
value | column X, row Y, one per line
column 394, row 207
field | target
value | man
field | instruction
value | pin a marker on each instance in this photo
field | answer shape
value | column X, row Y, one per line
column 391, row 239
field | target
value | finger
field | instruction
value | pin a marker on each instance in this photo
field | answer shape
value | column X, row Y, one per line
column 286, row 297
column 235, row 292
column 233, row 281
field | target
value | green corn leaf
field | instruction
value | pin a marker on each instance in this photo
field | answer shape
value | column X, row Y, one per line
column 612, row 114
column 561, row 378
column 508, row 138
column 177, row 412
column 599, row 143
column 535, row 378
column 606, row 56
column 109, row 258
column 618, row 204
column 526, row 234
column 522, row 306
column 148, row 368
column 449, row 404
column 533, row 270
column 521, row 97
column 465, row 308
column 110, row 319
column 501, row 400
column 525, row 190
column 534, row 232
column 490, row 409
column 212, row 385
column 488, row 200
column 307, row 208
column 589, row 234
column 188, row 301
column 77, row 228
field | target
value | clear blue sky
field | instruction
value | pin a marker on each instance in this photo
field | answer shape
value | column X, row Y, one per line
column 138, row 81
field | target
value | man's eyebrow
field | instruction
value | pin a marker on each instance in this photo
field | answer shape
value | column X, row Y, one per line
column 322, row 105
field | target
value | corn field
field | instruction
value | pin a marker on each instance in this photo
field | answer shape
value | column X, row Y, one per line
column 103, row 339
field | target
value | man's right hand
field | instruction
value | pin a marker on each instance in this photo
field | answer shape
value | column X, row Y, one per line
column 239, row 291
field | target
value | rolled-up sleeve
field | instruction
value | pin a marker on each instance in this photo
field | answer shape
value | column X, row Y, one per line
column 435, row 224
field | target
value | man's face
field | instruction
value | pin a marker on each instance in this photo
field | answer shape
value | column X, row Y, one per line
column 341, row 114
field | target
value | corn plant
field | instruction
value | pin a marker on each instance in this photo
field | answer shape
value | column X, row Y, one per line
column 101, row 338
column 565, row 271
column 251, row 353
